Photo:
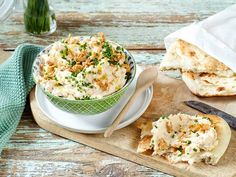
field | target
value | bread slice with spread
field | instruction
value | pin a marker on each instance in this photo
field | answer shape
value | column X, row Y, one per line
column 186, row 138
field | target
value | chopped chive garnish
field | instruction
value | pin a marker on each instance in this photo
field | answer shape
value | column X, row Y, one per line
column 188, row 142
column 74, row 74
column 163, row 117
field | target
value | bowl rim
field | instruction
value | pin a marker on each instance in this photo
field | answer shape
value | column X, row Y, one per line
column 94, row 99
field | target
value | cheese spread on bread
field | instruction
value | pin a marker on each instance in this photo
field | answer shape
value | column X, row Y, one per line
column 186, row 138
column 183, row 137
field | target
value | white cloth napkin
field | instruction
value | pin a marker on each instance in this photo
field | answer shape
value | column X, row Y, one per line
column 215, row 35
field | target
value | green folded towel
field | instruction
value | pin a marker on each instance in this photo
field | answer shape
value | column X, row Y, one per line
column 15, row 83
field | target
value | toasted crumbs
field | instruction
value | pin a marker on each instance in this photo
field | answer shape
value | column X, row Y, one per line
column 41, row 69
column 144, row 144
column 162, row 144
column 206, row 81
column 192, row 53
column 82, row 56
column 199, row 127
column 103, row 86
column 220, row 89
column 76, row 68
column 50, row 63
column 169, row 127
column 127, row 67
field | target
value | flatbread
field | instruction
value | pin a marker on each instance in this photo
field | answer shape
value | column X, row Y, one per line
column 187, row 57
column 223, row 137
column 207, row 85
column 146, row 135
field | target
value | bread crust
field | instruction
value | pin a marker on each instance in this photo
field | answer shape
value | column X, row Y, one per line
column 208, row 85
column 187, row 57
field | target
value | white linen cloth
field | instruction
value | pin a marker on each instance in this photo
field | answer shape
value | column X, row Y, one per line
column 215, row 35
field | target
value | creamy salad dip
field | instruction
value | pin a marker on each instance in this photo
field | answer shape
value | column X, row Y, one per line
column 79, row 69
column 183, row 137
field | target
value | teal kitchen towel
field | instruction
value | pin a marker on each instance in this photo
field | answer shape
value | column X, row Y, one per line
column 16, row 81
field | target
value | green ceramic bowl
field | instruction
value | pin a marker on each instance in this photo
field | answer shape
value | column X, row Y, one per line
column 93, row 106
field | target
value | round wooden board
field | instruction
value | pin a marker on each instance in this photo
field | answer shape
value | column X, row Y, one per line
column 168, row 98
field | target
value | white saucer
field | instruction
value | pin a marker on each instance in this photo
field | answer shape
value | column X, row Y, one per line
column 99, row 122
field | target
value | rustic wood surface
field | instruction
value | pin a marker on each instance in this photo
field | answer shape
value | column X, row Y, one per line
column 138, row 25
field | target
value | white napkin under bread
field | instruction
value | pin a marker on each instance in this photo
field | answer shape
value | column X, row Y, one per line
column 205, row 52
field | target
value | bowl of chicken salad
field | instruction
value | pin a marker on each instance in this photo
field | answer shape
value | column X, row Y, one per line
column 84, row 74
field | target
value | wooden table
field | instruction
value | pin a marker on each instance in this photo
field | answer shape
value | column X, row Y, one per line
column 140, row 26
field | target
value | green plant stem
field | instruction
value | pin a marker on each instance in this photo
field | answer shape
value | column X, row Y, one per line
column 37, row 16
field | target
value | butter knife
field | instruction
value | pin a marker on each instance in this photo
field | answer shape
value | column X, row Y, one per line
column 207, row 109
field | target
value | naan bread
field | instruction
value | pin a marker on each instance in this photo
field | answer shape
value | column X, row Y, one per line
column 224, row 136
column 207, row 85
column 187, row 57
column 146, row 135
column 210, row 157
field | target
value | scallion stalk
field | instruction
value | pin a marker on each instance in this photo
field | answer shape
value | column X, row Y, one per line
column 38, row 17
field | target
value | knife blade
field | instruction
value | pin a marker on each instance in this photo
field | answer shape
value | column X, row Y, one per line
column 207, row 109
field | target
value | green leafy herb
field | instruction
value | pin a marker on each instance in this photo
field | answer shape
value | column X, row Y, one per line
column 38, row 16
column 113, row 62
column 86, row 84
column 89, row 54
column 188, row 142
column 163, row 117
column 64, row 52
column 118, row 48
column 83, row 46
column 74, row 74
column 107, row 50
column 95, row 61
column 86, row 97
column 194, row 149
column 71, row 62
column 180, row 149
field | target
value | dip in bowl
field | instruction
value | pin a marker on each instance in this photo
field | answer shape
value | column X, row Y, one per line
column 85, row 75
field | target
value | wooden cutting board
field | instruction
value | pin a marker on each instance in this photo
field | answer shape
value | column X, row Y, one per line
column 168, row 98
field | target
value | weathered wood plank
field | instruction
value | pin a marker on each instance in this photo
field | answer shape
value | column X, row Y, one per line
column 111, row 166
column 124, row 22
column 130, row 37
column 153, row 6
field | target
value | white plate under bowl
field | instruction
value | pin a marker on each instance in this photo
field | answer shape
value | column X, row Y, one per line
column 97, row 123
